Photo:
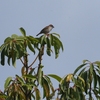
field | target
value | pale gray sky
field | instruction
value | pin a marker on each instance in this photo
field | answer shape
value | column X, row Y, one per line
column 77, row 22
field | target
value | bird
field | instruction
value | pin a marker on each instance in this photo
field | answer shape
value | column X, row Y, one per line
column 46, row 29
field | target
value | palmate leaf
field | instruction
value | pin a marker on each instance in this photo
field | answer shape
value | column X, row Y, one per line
column 13, row 48
column 51, row 40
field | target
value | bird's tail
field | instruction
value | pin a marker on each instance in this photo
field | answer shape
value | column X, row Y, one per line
column 37, row 34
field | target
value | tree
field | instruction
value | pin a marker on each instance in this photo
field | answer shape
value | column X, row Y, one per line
column 82, row 84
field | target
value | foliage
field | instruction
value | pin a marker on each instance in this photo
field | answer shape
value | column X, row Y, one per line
column 26, row 87
column 82, row 84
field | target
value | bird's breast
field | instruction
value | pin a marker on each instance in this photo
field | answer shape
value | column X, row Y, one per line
column 50, row 28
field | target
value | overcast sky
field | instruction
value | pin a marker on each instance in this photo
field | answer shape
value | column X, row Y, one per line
column 77, row 22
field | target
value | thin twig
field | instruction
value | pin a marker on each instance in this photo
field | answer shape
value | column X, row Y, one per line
column 22, row 61
column 33, row 61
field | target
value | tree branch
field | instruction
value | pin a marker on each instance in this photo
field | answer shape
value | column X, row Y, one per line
column 33, row 61
column 22, row 61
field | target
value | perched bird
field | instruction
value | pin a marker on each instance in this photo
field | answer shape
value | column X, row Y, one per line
column 46, row 29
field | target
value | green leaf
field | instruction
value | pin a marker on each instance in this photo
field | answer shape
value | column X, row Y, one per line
column 8, row 39
column 82, row 71
column 43, row 38
column 48, row 46
column 51, row 39
column 58, row 78
column 82, row 80
column 58, row 42
column 85, row 61
column 2, row 96
column 32, row 39
column 23, row 70
column 56, row 34
column 30, row 47
column 2, row 47
column 31, row 71
column 9, row 58
column 78, row 68
column 30, row 77
column 29, row 85
column 7, row 82
column 46, row 89
column 48, row 43
column 91, row 68
column 22, row 31
column 97, row 69
column 40, row 75
column 14, row 36
column 85, row 76
column 37, row 92
column 20, row 39
column 98, row 63
column 95, row 78
column 14, row 57
column 20, row 79
column 56, row 51
column 3, row 57
column 19, row 91
column 19, row 50
column 50, row 84
column 48, row 52
column 98, row 80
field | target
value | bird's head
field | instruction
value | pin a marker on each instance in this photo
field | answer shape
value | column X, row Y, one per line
column 51, row 25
